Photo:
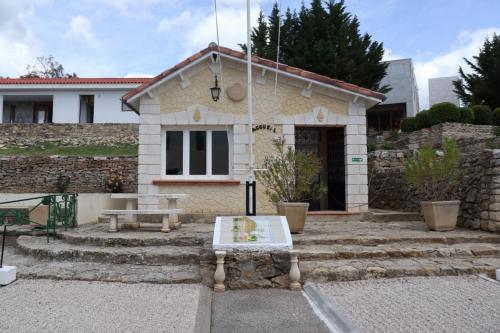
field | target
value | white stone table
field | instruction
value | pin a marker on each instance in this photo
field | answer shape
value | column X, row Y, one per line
column 252, row 233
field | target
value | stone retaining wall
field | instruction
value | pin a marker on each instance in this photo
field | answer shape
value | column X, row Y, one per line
column 434, row 136
column 68, row 134
column 25, row 174
column 479, row 192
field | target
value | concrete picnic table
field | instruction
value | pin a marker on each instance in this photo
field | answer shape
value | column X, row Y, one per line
column 131, row 201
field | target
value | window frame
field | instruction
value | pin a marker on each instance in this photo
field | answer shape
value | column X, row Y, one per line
column 186, row 152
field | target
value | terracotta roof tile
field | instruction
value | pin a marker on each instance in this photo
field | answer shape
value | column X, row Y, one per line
column 100, row 80
column 265, row 62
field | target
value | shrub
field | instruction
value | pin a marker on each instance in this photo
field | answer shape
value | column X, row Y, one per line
column 482, row 115
column 290, row 175
column 62, row 183
column 423, row 119
column 114, row 181
column 496, row 116
column 466, row 115
column 372, row 146
column 409, row 125
column 444, row 112
column 436, row 178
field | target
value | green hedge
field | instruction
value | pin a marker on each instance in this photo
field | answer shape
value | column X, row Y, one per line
column 466, row 116
column 496, row 116
column 482, row 115
column 409, row 125
column 423, row 119
column 443, row 113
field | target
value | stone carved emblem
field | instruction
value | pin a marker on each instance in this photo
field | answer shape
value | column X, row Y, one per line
column 197, row 115
column 236, row 92
column 320, row 116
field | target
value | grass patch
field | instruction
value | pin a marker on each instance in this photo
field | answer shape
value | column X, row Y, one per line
column 47, row 149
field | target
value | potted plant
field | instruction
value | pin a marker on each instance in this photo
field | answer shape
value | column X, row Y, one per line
column 290, row 179
column 435, row 177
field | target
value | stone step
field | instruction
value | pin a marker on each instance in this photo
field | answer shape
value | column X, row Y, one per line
column 97, row 234
column 391, row 216
column 144, row 255
column 398, row 250
column 85, row 271
column 349, row 270
column 428, row 238
column 334, row 216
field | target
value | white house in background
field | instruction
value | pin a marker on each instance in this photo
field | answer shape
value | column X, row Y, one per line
column 441, row 90
column 402, row 100
column 68, row 100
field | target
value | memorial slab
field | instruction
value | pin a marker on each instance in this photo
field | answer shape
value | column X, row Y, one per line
column 252, row 233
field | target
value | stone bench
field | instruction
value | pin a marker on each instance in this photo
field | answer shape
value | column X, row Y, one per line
column 165, row 225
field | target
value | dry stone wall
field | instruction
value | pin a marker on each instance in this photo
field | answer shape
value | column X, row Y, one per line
column 24, row 174
column 68, row 134
column 479, row 189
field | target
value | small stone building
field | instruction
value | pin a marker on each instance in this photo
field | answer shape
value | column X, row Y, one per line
column 189, row 143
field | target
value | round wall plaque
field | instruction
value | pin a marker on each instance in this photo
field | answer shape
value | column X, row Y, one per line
column 236, row 92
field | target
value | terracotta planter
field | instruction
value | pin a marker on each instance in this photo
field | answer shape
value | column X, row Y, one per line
column 295, row 213
column 440, row 215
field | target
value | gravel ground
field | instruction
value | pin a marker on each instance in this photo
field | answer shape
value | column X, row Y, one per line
column 420, row 304
column 77, row 306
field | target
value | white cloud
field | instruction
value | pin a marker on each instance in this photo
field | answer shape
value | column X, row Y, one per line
column 18, row 43
column 196, row 29
column 389, row 55
column 466, row 45
column 80, row 28
column 136, row 75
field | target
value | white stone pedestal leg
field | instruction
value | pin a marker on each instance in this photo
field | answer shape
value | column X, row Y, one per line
column 113, row 223
column 220, row 275
column 165, row 223
column 174, row 219
column 294, row 274
column 132, row 219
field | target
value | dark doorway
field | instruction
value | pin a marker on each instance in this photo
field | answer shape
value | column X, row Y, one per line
column 327, row 143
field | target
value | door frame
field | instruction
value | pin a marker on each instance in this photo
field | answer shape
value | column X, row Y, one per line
column 48, row 114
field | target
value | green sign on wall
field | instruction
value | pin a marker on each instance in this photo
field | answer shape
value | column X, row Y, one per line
column 357, row 159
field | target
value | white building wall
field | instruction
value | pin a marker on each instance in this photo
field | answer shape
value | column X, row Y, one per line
column 107, row 108
column 441, row 90
column 65, row 107
column 401, row 78
column 1, row 108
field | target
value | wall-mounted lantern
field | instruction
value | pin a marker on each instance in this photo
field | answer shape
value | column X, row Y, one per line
column 215, row 90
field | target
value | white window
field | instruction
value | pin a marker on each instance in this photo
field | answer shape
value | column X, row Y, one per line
column 196, row 153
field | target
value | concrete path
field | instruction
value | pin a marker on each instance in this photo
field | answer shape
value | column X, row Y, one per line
column 465, row 304
column 77, row 306
column 264, row 310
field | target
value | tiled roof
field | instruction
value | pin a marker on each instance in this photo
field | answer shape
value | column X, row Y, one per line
column 99, row 80
column 261, row 61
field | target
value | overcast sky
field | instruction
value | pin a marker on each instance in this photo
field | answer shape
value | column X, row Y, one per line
column 144, row 37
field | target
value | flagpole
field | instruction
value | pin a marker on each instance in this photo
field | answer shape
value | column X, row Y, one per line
column 250, row 111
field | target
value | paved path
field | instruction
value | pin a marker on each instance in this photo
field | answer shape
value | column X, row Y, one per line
column 76, row 306
column 420, row 304
column 264, row 310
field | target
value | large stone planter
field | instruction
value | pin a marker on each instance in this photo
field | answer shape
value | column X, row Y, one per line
column 440, row 215
column 295, row 213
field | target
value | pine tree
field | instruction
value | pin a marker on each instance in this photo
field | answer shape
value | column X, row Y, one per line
column 324, row 38
column 483, row 85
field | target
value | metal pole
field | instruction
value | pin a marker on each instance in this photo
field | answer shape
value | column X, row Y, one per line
column 3, row 244
column 250, row 106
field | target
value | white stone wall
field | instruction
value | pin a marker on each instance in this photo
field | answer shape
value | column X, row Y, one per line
column 357, row 170
column 441, row 90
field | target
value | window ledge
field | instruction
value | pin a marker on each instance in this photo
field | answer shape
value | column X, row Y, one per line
column 196, row 182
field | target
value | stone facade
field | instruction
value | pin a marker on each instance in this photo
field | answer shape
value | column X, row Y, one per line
column 185, row 103
column 23, row 174
column 68, row 134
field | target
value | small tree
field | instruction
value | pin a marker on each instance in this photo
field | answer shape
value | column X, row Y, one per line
column 290, row 175
column 482, row 114
column 435, row 178
column 47, row 67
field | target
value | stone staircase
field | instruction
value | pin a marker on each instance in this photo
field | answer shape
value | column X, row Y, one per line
column 91, row 253
column 376, row 250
